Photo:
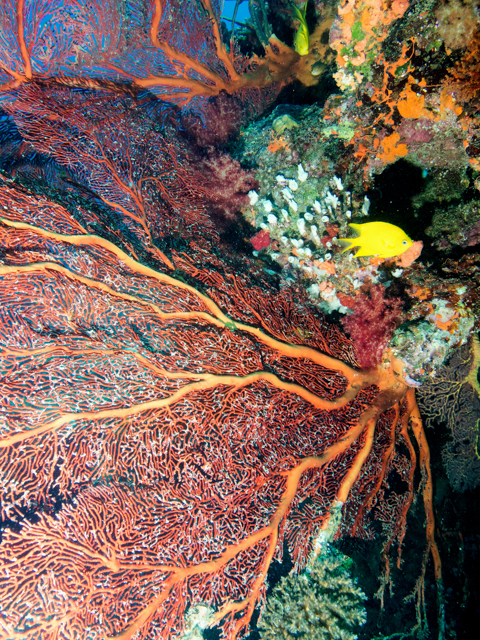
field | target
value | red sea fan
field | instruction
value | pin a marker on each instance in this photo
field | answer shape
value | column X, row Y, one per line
column 171, row 425
column 372, row 324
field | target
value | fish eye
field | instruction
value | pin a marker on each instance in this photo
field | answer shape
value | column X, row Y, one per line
column 404, row 242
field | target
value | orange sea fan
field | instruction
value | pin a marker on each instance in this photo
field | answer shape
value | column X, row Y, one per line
column 464, row 77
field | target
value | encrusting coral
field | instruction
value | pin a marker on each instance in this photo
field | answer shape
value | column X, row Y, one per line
column 322, row 603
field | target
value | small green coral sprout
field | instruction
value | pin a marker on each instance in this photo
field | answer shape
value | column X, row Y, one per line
column 322, row 604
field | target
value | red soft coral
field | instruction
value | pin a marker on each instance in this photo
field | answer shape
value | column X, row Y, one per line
column 221, row 121
column 226, row 185
column 372, row 324
column 221, row 178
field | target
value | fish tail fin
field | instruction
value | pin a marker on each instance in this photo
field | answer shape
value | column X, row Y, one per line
column 343, row 242
column 300, row 14
column 355, row 227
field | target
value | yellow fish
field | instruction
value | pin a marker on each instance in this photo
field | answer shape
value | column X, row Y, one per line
column 377, row 239
column 301, row 40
